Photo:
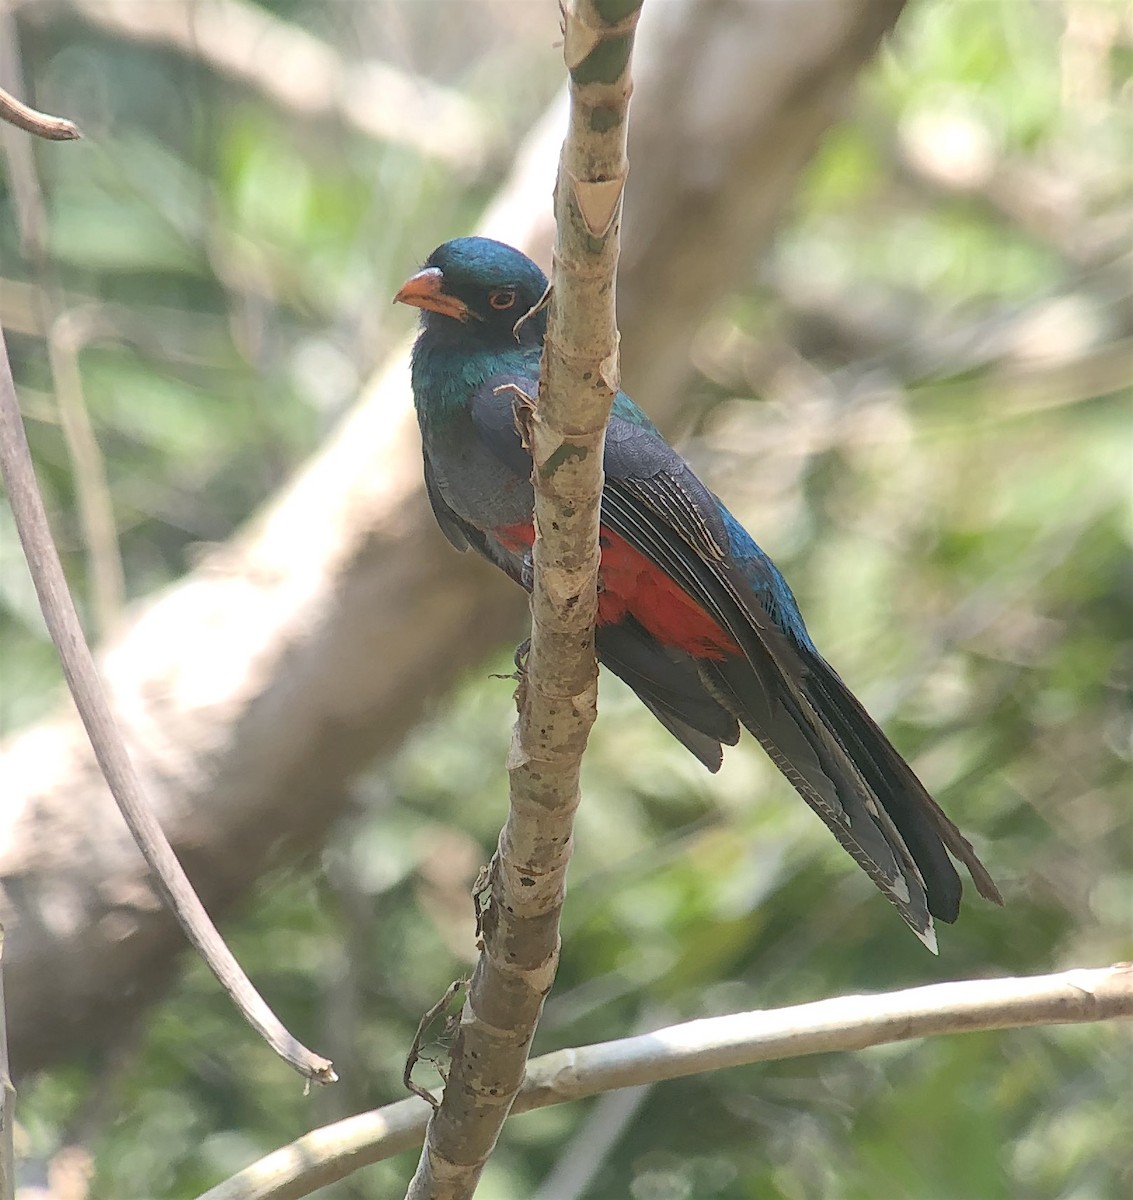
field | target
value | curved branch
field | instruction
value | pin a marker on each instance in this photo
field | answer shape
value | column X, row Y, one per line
column 109, row 746
column 558, row 693
column 715, row 1043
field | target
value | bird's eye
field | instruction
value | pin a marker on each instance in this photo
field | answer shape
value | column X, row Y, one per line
column 502, row 299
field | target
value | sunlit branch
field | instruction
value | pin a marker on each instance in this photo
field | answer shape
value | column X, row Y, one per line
column 740, row 1039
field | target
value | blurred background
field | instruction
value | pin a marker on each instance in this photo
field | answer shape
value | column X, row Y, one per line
column 913, row 385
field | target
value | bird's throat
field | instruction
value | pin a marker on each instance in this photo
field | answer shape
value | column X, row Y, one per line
column 446, row 374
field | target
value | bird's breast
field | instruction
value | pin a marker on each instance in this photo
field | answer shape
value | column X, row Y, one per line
column 477, row 486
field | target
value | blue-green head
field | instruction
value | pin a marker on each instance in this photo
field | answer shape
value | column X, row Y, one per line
column 477, row 292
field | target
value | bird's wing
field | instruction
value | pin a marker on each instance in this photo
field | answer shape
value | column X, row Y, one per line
column 809, row 723
column 657, row 504
column 456, row 530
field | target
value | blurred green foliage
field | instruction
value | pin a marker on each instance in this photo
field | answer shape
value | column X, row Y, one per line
column 913, row 405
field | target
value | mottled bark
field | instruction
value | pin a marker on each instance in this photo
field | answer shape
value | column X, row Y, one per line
column 565, row 428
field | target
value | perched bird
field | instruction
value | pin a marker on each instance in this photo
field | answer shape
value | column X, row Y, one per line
column 691, row 613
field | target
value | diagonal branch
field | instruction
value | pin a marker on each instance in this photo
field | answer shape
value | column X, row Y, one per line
column 106, row 738
column 739, row 1039
column 557, row 697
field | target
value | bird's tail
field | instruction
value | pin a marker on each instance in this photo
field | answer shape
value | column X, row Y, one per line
column 922, row 823
column 841, row 763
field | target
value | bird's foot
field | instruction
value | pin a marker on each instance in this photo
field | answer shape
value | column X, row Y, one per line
column 520, row 660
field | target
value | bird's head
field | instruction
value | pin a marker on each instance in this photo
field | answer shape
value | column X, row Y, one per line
column 478, row 290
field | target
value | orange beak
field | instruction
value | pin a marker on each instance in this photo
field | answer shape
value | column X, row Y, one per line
column 426, row 290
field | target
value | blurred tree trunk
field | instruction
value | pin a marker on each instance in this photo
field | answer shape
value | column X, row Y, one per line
column 254, row 689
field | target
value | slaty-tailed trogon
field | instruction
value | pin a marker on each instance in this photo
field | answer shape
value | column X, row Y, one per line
column 691, row 613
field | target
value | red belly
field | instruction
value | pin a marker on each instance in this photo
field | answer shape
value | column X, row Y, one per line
column 629, row 584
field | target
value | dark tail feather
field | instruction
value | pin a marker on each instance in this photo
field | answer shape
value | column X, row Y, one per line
column 923, row 825
column 814, row 761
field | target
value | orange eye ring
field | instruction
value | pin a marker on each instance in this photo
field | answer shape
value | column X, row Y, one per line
column 502, row 299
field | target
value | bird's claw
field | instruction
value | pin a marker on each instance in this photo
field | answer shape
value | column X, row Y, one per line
column 520, row 660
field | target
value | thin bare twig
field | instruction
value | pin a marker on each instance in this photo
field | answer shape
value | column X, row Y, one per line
column 66, row 631
column 325, row 1155
column 54, row 129
column 109, row 747
column 557, row 695
column 604, row 1126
